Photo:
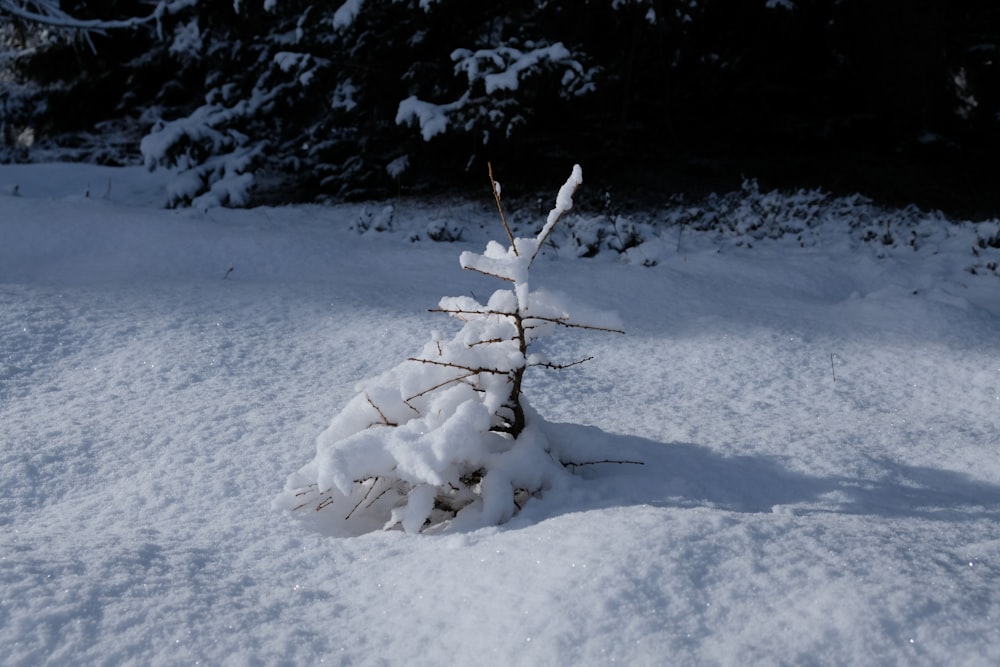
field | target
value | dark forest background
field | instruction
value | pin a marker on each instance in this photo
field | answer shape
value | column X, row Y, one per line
column 274, row 101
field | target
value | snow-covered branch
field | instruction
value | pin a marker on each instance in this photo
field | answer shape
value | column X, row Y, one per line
column 49, row 13
column 493, row 79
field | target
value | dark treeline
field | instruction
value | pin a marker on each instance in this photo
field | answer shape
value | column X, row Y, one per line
column 287, row 100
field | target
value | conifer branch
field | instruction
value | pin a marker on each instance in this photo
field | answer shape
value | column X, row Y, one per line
column 49, row 13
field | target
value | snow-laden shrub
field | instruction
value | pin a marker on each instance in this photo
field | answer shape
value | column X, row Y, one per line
column 375, row 221
column 987, row 248
column 446, row 439
column 610, row 231
column 749, row 216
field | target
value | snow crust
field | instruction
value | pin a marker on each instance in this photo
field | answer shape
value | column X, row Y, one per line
column 817, row 425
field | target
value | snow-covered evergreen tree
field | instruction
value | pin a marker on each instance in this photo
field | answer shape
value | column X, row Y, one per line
column 446, row 438
column 263, row 101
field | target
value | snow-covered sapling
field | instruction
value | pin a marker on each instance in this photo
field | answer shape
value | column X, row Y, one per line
column 446, row 438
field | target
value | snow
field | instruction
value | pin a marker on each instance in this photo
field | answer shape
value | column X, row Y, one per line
column 495, row 72
column 816, row 425
column 502, row 68
column 345, row 15
column 432, row 118
column 187, row 41
column 396, row 168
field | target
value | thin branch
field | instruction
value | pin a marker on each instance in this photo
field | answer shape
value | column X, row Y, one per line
column 380, row 413
column 363, row 498
column 381, row 493
column 574, row 181
column 495, row 187
column 490, row 341
column 571, row 325
column 306, row 490
column 461, row 311
column 560, row 367
column 543, row 237
column 438, row 386
column 51, row 15
column 309, row 489
column 448, row 364
column 574, row 464
column 491, row 275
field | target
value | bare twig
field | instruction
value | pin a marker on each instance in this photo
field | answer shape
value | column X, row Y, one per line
column 448, row 364
column 491, row 341
column 461, row 311
column 491, row 275
column 562, row 321
column 307, row 490
column 495, row 187
column 574, row 464
column 380, row 413
column 363, row 498
column 560, row 367
column 460, row 378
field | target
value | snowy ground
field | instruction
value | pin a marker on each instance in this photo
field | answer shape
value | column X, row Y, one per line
column 819, row 427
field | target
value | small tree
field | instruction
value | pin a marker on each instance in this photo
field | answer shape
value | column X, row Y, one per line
column 447, row 437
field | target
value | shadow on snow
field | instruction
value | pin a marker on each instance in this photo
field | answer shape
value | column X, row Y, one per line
column 687, row 475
